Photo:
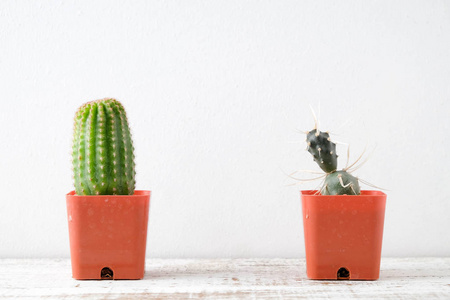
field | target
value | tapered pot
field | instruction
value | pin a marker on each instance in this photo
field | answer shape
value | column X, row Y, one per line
column 343, row 235
column 108, row 235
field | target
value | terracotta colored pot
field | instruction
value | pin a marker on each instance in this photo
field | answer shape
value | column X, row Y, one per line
column 343, row 235
column 108, row 235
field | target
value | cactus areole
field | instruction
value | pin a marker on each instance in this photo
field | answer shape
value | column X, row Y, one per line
column 102, row 150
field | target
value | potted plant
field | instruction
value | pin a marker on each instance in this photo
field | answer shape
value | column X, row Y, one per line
column 107, row 217
column 343, row 225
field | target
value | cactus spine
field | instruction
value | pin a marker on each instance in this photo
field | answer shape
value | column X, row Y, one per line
column 102, row 150
column 324, row 154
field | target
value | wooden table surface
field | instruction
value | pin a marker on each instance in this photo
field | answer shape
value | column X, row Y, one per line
column 401, row 278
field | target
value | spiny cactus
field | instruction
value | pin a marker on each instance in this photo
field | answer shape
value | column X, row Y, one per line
column 102, row 150
column 340, row 183
column 323, row 151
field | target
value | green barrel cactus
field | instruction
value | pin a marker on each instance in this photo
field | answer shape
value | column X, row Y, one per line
column 102, row 150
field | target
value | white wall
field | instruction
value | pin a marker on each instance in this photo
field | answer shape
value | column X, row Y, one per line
column 215, row 91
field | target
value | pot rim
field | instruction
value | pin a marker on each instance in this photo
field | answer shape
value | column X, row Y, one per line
column 137, row 193
column 314, row 193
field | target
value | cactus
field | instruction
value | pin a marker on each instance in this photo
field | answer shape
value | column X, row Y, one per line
column 102, row 150
column 324, row 154
column 322, row 149
column 340, row 183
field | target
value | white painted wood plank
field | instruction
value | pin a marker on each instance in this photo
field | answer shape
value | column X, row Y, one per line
column 405, row 278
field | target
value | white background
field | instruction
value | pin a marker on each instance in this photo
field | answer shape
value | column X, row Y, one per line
column 216, row 93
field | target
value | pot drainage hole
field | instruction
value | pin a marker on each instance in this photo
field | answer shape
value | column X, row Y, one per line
column 343, row 274
column 107, row 273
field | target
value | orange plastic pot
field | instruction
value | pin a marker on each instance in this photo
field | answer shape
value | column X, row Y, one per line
column 108, row 235
column 343, row 235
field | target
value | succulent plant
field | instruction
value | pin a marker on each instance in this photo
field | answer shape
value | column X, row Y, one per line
column 340, row 183
column 323, row 150
column 102, row 150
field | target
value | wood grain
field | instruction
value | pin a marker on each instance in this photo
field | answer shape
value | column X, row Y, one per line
column 401, row 278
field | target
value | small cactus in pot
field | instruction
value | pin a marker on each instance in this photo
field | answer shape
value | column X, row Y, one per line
column 343, row 225
column 107, row 217
column 102, row 150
